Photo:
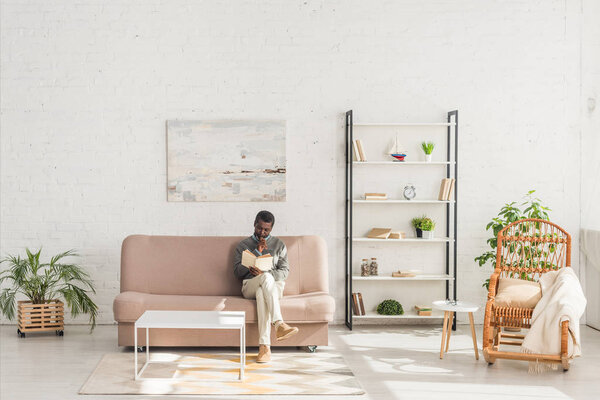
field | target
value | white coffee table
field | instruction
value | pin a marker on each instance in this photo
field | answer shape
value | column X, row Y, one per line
column 189, row 320
column 450, row 307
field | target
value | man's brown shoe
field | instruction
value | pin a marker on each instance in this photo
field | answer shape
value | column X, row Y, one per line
column 285, row 331
column 264, row 354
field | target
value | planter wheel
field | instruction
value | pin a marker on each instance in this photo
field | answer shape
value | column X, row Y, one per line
column 60, row 332
column 21, row 334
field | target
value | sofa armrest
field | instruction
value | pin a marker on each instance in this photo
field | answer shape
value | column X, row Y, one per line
column 127, row 304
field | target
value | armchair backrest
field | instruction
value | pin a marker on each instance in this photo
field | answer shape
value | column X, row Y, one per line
column 532, row 247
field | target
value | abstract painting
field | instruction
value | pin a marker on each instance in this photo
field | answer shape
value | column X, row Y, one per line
column 226, row 160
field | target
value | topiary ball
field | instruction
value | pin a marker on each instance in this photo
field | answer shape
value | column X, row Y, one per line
column 390, row 307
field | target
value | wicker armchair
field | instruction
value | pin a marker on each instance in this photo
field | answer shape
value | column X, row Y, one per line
column 526, row 249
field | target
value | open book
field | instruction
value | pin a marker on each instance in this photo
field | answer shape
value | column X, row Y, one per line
column 264, row 263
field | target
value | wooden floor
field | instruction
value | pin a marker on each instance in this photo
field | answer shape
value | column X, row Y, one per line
column 390, row 363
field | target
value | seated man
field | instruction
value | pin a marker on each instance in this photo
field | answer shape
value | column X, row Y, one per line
column 265, row 287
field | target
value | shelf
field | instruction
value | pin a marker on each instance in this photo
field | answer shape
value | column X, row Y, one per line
column 403, row 162
column 408, row 240
column 404, row 201
column 409, row 315
column 442, row 275
column 404, row 124
column 423, row 277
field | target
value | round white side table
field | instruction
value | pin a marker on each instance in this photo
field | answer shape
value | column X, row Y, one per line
column 449, row 308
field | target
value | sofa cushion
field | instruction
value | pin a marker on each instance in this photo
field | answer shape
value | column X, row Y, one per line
column 517, row 293
column 310, row 307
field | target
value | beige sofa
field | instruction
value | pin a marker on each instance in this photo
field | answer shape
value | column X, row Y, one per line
column 196, row 273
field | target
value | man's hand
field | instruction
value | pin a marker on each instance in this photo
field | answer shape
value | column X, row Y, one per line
column 262, row 245
column 255, row 271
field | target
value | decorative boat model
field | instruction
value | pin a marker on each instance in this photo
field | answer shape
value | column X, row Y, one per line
column 396, row 152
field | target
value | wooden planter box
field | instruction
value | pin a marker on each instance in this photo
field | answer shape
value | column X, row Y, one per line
column 48, row 316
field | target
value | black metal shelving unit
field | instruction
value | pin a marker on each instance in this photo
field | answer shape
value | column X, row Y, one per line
column 451, row 209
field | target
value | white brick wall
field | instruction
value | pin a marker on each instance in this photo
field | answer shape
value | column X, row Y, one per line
column 86, row 88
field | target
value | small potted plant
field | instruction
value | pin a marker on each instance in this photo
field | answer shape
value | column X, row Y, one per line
column 428, row 149
column 44, row 284
column 416, row 223
column 427, row 226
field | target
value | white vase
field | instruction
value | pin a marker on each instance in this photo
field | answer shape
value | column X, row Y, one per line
column 428, row 157
column 427, row 234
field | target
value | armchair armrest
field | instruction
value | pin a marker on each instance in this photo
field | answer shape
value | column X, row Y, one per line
column 493, row 286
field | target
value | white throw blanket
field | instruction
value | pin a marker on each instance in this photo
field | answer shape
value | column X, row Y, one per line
column 562, row 299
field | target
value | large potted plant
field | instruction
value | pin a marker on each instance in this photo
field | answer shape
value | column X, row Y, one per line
column 44, row 284
column 509, row 213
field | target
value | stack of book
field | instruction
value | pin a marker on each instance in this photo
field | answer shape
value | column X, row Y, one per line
column 379, row 233
column 375, row 196
column 423, row 311
column 446, row 189
column 357, row 304
column 359, row 153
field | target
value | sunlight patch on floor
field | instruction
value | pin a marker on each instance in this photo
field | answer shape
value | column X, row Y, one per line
column 462, row 391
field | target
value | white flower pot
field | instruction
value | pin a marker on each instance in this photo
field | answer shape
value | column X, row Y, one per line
column 427, row 234
column 428, row 157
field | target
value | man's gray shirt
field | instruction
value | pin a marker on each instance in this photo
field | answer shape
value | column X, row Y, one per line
column 275, row 247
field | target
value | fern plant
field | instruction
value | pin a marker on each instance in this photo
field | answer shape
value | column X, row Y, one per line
column 41, row 282
column 508, row 214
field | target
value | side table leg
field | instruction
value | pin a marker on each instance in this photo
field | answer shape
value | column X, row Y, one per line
column 147, row 346
column 450, row 324
column 473, row 336
column 444, row 328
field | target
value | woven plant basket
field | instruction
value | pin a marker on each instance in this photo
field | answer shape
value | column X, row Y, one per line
column 48, row 316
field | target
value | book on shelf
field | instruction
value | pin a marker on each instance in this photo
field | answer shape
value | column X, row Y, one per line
column 423, row 311
column 397, row 235
column 361, row 304
column 451, row 189
column 404, row 274
column 375, row 196
column 446, row 188
column 355, row 308
column 357, row 304
column 355, row 150
column 443, row 189
column 361, row 150
column 264, row 263
column 379, row 233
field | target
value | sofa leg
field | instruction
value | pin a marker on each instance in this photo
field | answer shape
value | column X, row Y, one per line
column 311, row 349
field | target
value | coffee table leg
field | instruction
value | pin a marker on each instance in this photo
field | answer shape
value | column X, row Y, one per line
column 242, row 352
column 445, row 326
column 135, row 360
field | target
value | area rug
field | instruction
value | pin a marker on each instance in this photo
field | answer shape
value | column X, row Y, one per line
column 298, row 373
